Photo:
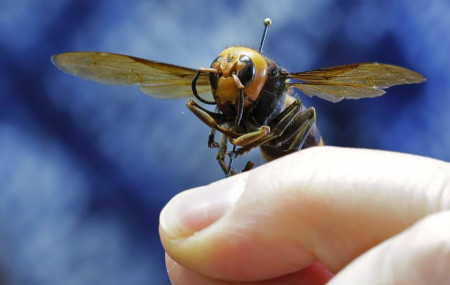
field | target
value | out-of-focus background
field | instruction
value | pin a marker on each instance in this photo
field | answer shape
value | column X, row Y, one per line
column 85, row 168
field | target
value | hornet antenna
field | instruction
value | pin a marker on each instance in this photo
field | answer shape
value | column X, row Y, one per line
column 267, row 22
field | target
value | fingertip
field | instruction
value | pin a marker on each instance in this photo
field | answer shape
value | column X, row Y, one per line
column 197, row 208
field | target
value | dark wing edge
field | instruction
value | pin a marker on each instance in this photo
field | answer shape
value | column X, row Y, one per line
column 154, row 78
column 352, row 81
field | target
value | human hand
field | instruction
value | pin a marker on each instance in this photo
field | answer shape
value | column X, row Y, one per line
column 369, row 217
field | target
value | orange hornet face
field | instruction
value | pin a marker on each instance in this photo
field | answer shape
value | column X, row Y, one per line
column 239, row 68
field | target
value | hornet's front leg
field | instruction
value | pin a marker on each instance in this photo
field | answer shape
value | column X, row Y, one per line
column 211, row 142
column 213, row 120
column 221, row 153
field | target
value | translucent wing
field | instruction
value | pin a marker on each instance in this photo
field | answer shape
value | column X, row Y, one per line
column 157, row 79
column 352, row 81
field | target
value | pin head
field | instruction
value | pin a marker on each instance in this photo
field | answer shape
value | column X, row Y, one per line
column 267, row 22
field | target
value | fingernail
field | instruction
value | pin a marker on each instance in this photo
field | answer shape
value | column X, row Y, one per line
column 195, row 209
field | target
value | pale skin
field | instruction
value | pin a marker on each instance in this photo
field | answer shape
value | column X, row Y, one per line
column 325, row 214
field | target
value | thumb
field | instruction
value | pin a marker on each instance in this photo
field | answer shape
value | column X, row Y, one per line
column 322, row 204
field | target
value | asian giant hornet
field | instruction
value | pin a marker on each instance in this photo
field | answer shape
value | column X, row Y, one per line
column 252, row 94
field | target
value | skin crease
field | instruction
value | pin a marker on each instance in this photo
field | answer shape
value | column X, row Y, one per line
column 300, row 217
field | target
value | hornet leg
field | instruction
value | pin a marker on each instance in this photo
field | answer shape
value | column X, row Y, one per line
column 293, row 138
column 279, row 124
column 213, row 120
column 221, row 153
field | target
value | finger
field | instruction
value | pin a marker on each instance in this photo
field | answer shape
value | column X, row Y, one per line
column 324, row 204
column 420, row 255
column 314, row 274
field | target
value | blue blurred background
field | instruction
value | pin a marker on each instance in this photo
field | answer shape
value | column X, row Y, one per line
column 85, row 168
